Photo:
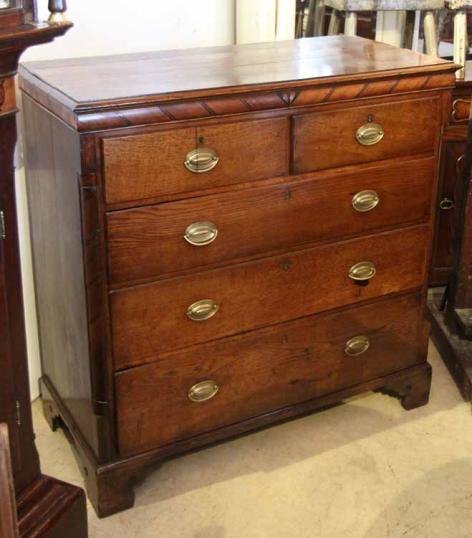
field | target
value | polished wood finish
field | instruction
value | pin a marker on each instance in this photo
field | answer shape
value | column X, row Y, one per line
column 59, row 319
column 452, row 168
column 8, row 516
column 148, row 243
column 46, row 508
column 111, row 199
column 134, row 78
column 328, row 140
column 247, row 151
column 451, row 309
column 310, row 362
column 150, row 320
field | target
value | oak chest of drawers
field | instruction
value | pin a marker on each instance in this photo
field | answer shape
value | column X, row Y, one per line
column 226, row 238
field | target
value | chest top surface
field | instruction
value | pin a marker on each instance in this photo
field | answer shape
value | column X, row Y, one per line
column 85, row 85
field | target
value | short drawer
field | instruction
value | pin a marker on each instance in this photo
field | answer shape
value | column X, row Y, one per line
column 365, row 133
column 146, row 243
column 168, row 163
column 227, row 381
column 152, row 319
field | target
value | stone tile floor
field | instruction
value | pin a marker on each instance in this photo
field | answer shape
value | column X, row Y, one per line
column 366, row 468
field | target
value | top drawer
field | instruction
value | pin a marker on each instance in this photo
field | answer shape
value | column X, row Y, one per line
column 362, row 134
column 166, row 163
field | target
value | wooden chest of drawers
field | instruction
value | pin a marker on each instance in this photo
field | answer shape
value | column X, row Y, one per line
column 226, row 238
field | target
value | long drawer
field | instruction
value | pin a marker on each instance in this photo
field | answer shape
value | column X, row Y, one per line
column 365, row 133
column 222, row 382
column 146, row 243
column 177, row 161
column 152, row 319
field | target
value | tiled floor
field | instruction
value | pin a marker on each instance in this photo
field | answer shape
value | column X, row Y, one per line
column 363, row 469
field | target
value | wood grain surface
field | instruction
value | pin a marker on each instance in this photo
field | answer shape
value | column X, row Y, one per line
column 328, row 139
column 149, row 165
column 263, row 371
column 150, row 320
column 148, row 243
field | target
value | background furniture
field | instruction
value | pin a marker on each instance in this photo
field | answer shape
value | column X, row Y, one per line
column 8, row 515
column 352, row 7
column 451, row 310
column 216, row 275
column 45, row 505
column 461, row 39
column 450, row 184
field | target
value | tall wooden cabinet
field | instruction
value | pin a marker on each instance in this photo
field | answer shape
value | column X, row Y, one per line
column 452, row 170
column 46, row 507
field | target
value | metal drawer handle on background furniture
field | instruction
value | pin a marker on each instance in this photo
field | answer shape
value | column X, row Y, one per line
column 362, row 271
column 201, row 160
column 357, row 345
column 202, row 310
column 200, row 234
column 369, row 134
column 446, row 204
column 204, row 391
column 365, row 201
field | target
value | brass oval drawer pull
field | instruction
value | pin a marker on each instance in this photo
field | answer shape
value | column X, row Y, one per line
column 200, row 234
column 357, row 345
column 201, row 160
column 365, row 201
column 202, row 310
column 362, row 271
column 446, row 204
column 204, row 391
column 369, row 134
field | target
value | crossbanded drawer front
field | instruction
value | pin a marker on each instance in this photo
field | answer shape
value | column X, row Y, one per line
column 223, row 382
column 169, row 163
column 365, row 133
column 152, row 319
column 146, row 243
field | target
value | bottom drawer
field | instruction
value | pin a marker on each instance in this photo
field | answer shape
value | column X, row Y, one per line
column 226, row 381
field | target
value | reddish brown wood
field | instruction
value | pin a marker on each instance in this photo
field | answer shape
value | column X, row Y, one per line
column 101, row 148
column 8, row 517
column 310, row 362
column 326, row 140
column 46, row 508
column 452, row 161
column 118, row 86
column 110, row 487
column 150, row 320
column 453, row 154
column 148, row 243
column 247, row 151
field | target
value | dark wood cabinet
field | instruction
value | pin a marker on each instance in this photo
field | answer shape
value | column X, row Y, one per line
column 218, row 247
column 451, row 174
column 46, row 507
